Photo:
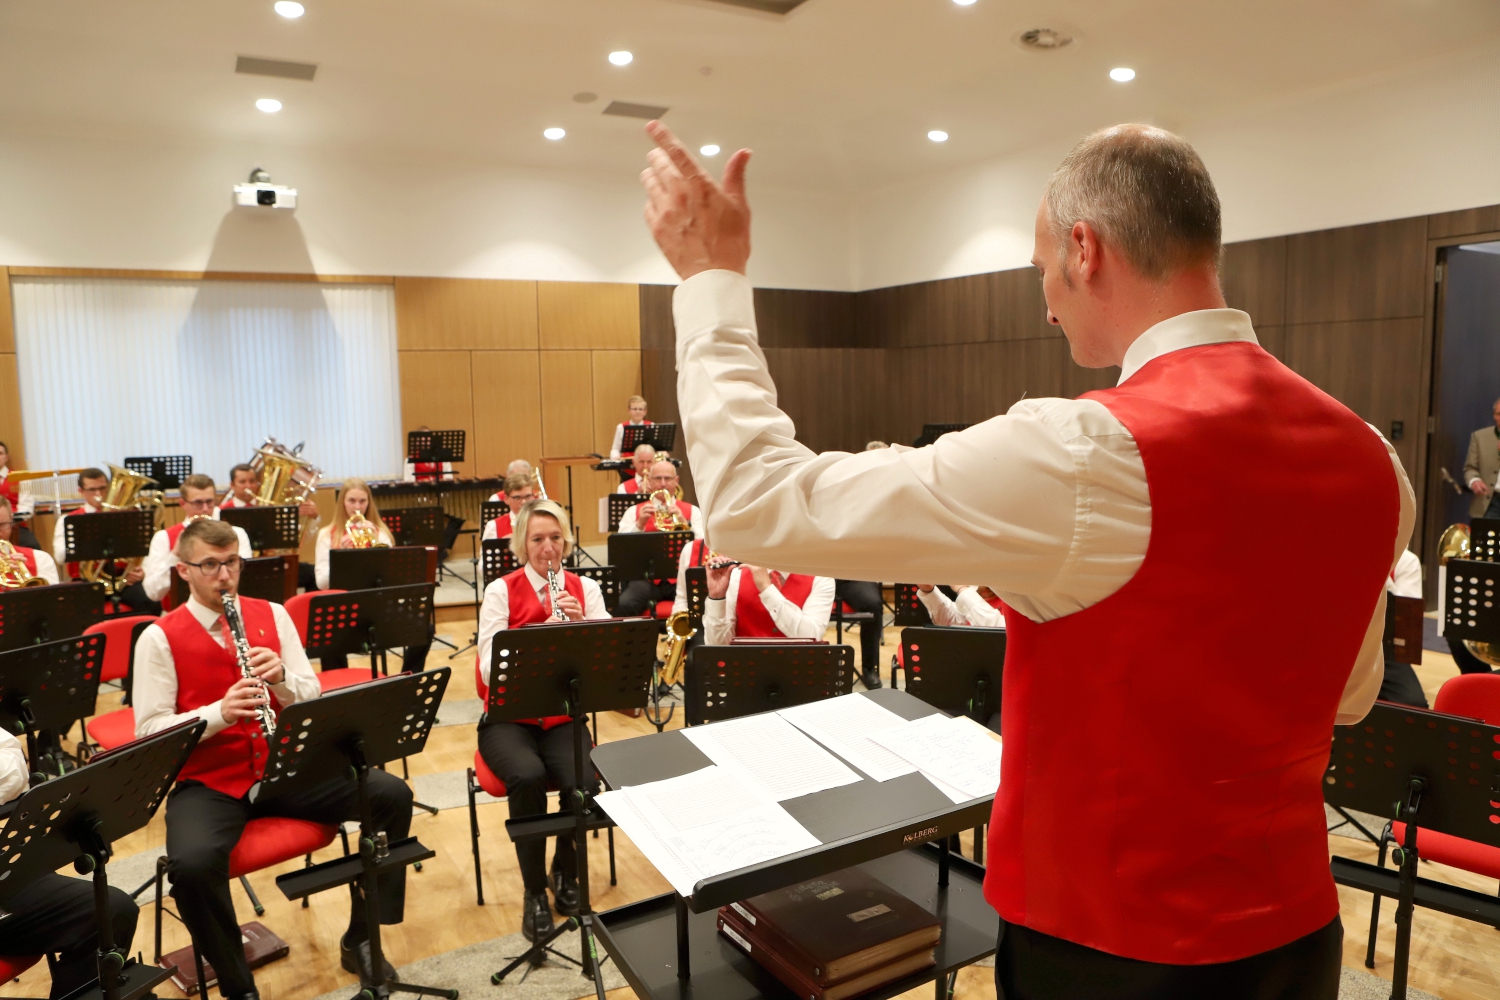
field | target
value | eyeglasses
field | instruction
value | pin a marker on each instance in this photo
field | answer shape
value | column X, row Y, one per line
column 211, row 567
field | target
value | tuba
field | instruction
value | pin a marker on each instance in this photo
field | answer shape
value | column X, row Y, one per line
column 126, row 491
column 13, row 571
column 286, row 479
column 667, row 515
column 1456, row 544
column 362, row 532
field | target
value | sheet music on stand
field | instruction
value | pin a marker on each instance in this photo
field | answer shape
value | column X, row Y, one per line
column 267, row 527
column 768, row 750
column 168, row 470
column 435, row 446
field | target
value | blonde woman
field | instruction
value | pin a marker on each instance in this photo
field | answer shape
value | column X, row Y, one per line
column 354, row 498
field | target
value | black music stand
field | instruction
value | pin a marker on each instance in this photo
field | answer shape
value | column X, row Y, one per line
column 1471, row 607
column 29, row 615
column 931, row 432
column 491, row 510
column 47, row 688
column 77, row 818
column 1403, row 629
column 168, row 470
column 498, row 559
column 435, row 446
column 659, row 436
column 908, row 607
column 1423, row 768
column 369, row 622
column 356, row 728
column 1484, row 539
column 267, row 578
column 416, row 525
column 697, row 594
column 277, row 527
column 955, row 668
column 647, row 555
column 109, row 535
column 620, row 504
column 574, row 669
column 726, row 682
column 363, row 569
column 609, row 583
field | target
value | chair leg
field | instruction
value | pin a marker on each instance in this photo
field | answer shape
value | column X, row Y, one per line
column 161, row 875
column 474, row 841
column 611, row 832
column 260, row 910
column 1375, row 902
column 202, row 979
column 307, row 863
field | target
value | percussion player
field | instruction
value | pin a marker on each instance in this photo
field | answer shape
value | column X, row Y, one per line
column 1175, row 873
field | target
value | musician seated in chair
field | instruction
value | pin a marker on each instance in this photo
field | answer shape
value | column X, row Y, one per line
column 38, row 563
column 973, row 606
column 526, row 754
column 656, row 514
column 92, row 486
column 243, row 486
column 199, row 498
column 54, row 916
column 753, row 602
column 186, row 667
column 517, row 492
column 643, row 458
column 636, row 406
column 1400, row 683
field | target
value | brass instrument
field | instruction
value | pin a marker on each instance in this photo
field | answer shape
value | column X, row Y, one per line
column 679, row 631
column 362, row 532
column 1455, row 544
column 286, row 479
column 536, row 477
column 126, row 491
column 666, row 513
column 265, row 714
column 555, row 590
column 13, row 571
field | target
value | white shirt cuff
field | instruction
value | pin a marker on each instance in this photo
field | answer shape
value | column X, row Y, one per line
column 710, row 300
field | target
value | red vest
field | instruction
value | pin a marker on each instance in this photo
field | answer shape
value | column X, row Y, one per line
column 682, row 505
column 1167, row 805
column 12, row 492
column 233, row 759
column 751, row 619
column 631, row 485
column 503, row 526
column 526, row 609
column 27, row 556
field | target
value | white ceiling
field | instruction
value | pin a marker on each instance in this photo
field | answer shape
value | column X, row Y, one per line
column 840, row 94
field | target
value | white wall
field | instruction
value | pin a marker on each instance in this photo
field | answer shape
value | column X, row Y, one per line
column 69, row 201
column 1422, row 139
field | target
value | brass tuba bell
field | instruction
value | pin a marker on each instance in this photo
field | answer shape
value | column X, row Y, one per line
column 126, row 491
column 1457, row 543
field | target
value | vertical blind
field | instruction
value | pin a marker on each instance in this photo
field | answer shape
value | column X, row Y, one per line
column 111, row 367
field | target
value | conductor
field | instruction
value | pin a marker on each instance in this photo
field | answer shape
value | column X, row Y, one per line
column 1159, row 827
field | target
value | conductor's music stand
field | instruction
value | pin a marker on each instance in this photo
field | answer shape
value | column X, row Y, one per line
column 620, row 504
column 47, row 688
column 77, row 818
column 573, row 669
column 168, row 470
column 726, row 682
column 659, row 436
column 357, row 727
column 363, row 569
column 498, row 559
column 268, row 528
column 1424, row 768
column 956, row 669
column 109, row 535
column 1403, row 629
column 433, row 447
column 29, row 615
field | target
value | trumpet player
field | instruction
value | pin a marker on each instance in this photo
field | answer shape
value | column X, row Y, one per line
column 92, row 485
column 642, row 459
column 659, row 509
column 526, row 754
column 354, row 499
column 38, row 563
column 198, row 499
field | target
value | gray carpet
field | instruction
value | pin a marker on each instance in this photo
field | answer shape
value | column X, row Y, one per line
column 468, row 970
column 1340, row 827
column 459, row 712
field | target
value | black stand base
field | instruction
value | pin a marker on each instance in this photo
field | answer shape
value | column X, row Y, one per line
column 538, row 952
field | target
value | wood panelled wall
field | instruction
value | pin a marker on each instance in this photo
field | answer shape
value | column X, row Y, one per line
column 10, row 392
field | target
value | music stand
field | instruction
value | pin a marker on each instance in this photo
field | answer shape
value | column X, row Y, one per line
column 491, row 510
column 267, row 578
column 29, row 615
column 1427, row 768
column 573, row 669
column 77, row 818
column 109, row 535
column 416, row 525
column 647, row 555
column 620, row 504
column 498, row 559
column 955, row 668
column 278, row 527
column 697, row 594
column 369, row 621
column 364, row 569
column 357, row 727
column 1403, row 629
column 659, row 436
column 910, row 611
column 434, row 447
column 47, row 688
column 931, row 432
column 1470, row 606
column 1484, row 539
column 726, row 682
column 168, row 470
column 609, row 584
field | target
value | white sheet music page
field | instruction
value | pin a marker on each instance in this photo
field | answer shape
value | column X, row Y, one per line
column 844, row 725
column 955, row 751
column 770, row 750
column 705, row 823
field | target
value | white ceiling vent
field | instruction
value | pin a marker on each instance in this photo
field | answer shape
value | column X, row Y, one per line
column 1043, row 39
column 275, row 67
column 625, row 109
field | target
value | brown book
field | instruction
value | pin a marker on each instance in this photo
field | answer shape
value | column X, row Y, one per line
column 261, row 946
column 732, row 926
column 840, row 925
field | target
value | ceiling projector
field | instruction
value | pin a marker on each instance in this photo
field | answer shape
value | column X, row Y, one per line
column 260, row 192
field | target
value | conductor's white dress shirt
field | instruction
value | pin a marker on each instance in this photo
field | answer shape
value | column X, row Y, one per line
column 967, row 609
column 494, row 613
column 154, row 694
column 807, row 622
column 1047, row 505
column 161, row 558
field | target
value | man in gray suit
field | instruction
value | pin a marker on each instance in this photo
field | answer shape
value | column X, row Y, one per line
column 1482, row 466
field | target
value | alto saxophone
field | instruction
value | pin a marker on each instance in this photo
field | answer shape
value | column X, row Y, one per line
column 265, row 714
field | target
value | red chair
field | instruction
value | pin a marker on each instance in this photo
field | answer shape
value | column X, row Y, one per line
column 114, row 729
column 11, row 968
column 1473, row 696
column 328, row 680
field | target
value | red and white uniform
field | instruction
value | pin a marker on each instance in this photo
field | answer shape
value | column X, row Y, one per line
column 630, row 523
column 324, row 545
column 230, row 500
column 60, row 543
column 38, row 563
column 427, row 472
column 10, row 490
column 798, row 608
column 967, row 609
column 631, row 485
column 501, row 527
column 163, row 556
column 619, row 441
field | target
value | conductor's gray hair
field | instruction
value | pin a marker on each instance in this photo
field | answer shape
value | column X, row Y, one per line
column 1145, row 192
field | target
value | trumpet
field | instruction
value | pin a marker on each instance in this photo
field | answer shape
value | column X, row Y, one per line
column 362, row 533
column 13, row 571
column 265, row 714
column 667, row 515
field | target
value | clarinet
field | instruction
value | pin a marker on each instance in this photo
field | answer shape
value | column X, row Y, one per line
column 554, row 587
column 265, row 713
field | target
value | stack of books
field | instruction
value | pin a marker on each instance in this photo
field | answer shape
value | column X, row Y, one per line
column 834, row 937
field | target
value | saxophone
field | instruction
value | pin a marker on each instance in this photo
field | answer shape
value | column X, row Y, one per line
column 265, row 714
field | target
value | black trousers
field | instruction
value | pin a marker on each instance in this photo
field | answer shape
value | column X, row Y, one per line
column 413, row 659
column 204, row 825
column 1034, row 966
column 862, row 596
column 1401, row 685
column 134, row 597
column 55, row 916
column 525, row 757
column 641, row 595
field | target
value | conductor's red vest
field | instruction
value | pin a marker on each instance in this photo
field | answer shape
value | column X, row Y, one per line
column 525, row 608
column 233, row 759
column 751, row 619
column 1167, row 804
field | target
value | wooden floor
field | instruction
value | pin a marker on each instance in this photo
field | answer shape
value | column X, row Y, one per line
column 1452, row 958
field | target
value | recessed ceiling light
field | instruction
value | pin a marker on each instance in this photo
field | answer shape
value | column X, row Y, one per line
column 621, row 58
column 709, row 150
column 269, row 105
column 554, row 133
column 290, row 8
column 964, row 3
column 1122, row 74
column 938, row 135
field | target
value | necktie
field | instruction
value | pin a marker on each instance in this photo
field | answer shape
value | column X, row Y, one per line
column 777, row 579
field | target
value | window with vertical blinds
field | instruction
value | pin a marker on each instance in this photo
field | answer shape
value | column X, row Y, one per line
column 111, row 367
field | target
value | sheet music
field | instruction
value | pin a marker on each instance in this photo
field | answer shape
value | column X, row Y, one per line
column 770, row 750
column 952, row 750
column 844, row 725
column 705, row 823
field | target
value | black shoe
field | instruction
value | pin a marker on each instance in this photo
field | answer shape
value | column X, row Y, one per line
column 252, row 995
column 871, row 680
column 356, row 959
column 536, row 916
column 565, row 893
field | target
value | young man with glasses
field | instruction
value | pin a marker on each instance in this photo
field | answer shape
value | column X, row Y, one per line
column 518, row 491
column 92, row 485
column 38, row 563
column 198, row 498
column 186, row 668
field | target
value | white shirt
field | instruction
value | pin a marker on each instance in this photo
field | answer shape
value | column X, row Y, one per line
column 15, row 776
column 807, row 622
column 154, row 691
column 494, row 613
column 968, row 609
column 492, row 530
column 25, row 502
column 325, row 544
column 162, row 557
column 1406, row 578
column 60, row 533
column 633, row 479
column 1046, row 505
column 628, row 524
column 614, row 448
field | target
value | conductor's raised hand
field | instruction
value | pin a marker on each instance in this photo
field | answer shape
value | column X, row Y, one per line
column 699, row 223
